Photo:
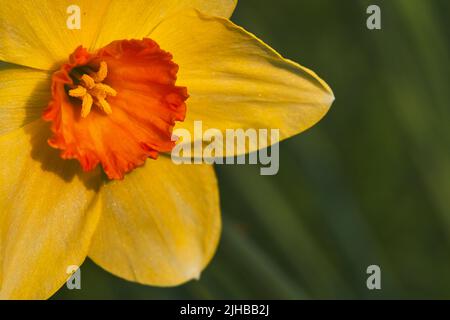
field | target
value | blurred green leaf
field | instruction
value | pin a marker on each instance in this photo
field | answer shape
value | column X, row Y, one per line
column 370, row 184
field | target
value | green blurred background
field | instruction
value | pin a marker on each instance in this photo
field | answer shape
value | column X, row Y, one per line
column 370, row 184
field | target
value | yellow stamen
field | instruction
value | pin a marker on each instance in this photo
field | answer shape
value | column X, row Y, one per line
column 86, row 105
column 104, row 105
column 93, row 91
column 101, row 73
column 106, row 89
column 88, row 82
column 78, row 92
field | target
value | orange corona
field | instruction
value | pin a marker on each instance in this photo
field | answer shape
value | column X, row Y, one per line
column 116, row 107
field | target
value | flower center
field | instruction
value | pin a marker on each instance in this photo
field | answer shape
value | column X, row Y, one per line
column 133, row 82
column 90, row 89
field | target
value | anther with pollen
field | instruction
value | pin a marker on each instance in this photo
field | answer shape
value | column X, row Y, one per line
column 91, row 90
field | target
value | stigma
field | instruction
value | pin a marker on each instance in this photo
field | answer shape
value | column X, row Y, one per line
column 91, row 90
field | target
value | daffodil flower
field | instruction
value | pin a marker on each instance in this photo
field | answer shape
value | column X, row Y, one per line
column 136, row 70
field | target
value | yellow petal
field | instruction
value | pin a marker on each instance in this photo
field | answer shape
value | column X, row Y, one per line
column 137, row 18
column 236, row 81
column 44, row 227
column 24, row 93
column 161, row 225
column 35, row 33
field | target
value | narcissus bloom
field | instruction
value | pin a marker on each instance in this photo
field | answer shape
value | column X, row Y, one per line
column 86, row 118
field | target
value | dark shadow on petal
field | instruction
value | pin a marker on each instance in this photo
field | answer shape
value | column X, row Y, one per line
column 49, row 157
